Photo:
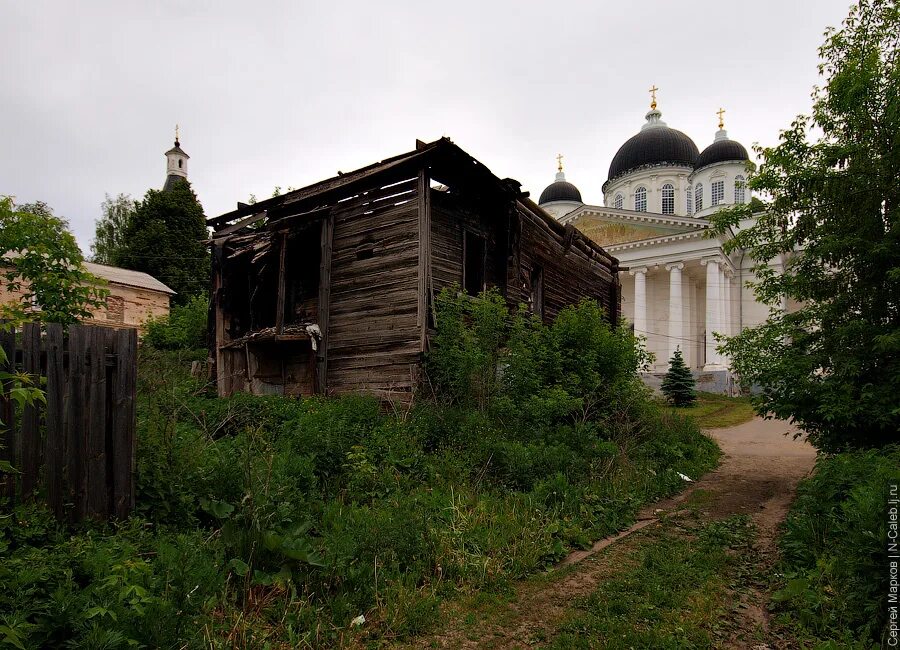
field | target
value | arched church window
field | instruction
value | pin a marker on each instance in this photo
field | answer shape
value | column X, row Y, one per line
column 668, row 199
column 689, row 200
column 640, row 199
column 739, row 186
column 718, row 192
column 619, row 201
column 180, row 163
column 698, row 197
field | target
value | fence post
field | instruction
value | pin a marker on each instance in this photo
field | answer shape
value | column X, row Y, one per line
column 76, row 421
column 31, row 416
column 123, row 438
column 97, row 495
column 8, row 415
column 54, row 453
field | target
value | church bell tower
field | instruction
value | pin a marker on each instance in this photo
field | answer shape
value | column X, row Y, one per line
column 176, row 164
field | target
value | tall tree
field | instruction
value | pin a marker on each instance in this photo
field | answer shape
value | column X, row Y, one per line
column 833, row 365
column 41, row 259
column 113, row 224
column 165, row 239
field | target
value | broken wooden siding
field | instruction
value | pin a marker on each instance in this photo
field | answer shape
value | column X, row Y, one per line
column 572, row 268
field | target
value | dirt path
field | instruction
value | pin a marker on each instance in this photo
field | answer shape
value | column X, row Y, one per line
column 757, row 476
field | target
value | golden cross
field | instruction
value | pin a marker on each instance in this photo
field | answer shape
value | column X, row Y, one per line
column 720, row 113
column 176, row 133
column 559, row 158
column 653, row 96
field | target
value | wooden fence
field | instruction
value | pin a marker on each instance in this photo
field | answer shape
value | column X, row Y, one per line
column 77, row 450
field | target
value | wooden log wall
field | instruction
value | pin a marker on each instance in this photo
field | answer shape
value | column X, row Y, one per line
column 373, row 337
column 451, row 218
column 572, row 269
column 77, row 450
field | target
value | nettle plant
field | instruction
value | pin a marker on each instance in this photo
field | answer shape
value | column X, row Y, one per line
column 20, row 388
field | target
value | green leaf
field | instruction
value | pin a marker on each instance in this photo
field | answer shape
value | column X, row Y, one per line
column 239, row 567
column 218, row 509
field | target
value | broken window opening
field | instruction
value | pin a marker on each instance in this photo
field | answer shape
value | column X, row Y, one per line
column 301, row 276
column 475, row 254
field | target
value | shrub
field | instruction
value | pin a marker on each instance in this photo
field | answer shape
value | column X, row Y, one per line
column 185, row 328
column 833, row 548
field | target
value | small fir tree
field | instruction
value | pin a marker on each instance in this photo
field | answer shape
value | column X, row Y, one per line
column 678, row 384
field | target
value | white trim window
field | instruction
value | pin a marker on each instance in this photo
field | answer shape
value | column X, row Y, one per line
column 668, row 199
column 619, row 201
column 718, row 192
column 640, row 199
column 739, row 191
column 689, row 200
column 698, row 197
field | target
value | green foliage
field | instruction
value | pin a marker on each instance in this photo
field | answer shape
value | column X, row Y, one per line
column 304, row 514
column 111, row 229
column 833, row 549
column 20, row 388
column 512, row 363
column 41, row 259
column 103, row 587
column 165, row 239
column 185, row 327
column 678, row 385
column 833, row 365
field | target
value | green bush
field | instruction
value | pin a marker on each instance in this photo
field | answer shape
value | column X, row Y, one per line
column 185, row 327
column 833, row 549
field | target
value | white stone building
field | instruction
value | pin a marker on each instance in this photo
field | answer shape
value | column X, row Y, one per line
column 679, row 287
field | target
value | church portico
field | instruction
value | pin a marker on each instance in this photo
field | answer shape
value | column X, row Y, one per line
column 679, row 287
column 679, row 304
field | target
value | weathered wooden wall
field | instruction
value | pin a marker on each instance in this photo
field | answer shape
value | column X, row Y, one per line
column 572, row 269
column 520, row 239
column 451, row 217
column 373, row 340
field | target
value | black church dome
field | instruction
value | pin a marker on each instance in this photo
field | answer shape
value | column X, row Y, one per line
column 721, row 151
column 560, row 191
column 657, row 144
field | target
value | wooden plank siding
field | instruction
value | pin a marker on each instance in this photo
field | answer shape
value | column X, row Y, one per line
column 374, row 339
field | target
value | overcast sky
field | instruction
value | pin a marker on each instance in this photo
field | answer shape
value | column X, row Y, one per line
column 287, row 93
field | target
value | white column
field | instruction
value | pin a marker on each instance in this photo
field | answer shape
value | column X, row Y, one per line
column 713, row 312
column 676, row 308
column 728, row 327
column 640, row 301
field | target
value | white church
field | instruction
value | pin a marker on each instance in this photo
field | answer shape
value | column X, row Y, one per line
column 680, row 287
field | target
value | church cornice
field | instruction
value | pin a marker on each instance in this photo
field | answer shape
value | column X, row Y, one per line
column 654, row 241
column 637, row 217
column 665, row 165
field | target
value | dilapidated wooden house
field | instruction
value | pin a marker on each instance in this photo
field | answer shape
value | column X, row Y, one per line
column 329, row 288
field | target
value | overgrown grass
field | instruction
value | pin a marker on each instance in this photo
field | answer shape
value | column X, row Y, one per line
column 712, row 411
column 834, row 552
column 673, row 597
column 268, row 520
